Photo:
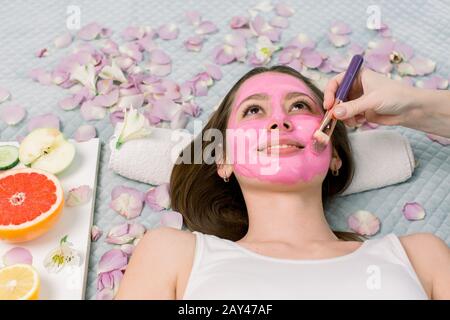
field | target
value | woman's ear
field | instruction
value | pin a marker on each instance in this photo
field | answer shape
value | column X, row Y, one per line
column 224, row 169
column 336, row 162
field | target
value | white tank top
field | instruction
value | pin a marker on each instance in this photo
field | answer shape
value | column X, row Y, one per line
column 378, row 269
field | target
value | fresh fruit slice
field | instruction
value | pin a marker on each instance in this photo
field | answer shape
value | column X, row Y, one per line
column 30, row 203
column 46, row 149
column 9, row 157
column 19, row 282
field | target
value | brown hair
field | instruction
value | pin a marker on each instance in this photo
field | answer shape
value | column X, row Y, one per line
column 213, row 207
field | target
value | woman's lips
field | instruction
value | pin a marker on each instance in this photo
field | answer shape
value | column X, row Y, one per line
column 285, row 147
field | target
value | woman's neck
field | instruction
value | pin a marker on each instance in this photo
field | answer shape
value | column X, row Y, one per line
column 291, row 217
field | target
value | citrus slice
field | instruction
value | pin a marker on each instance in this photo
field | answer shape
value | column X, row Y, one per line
column 31, row 201
column 19, row 282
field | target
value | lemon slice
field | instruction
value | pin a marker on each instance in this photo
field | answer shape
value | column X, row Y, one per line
column 19, row 282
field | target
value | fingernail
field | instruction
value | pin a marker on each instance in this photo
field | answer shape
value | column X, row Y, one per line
column 339, row 111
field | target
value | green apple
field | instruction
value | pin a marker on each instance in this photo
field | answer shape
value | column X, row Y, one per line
column 46, row 149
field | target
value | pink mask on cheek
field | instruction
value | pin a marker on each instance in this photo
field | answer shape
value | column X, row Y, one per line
column 247, row 160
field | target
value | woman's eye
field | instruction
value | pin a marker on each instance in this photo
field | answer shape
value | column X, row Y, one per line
column 251, row 110
column 299, row 105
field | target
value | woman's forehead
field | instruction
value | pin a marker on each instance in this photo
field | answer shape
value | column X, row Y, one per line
column 270, row 84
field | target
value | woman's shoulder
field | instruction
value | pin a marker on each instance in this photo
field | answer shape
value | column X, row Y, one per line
column 168, row 240
column 428, row 254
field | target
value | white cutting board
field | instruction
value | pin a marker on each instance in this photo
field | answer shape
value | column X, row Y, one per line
column 75, row 222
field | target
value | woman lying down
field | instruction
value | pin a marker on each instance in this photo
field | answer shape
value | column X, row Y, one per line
column 259, row 226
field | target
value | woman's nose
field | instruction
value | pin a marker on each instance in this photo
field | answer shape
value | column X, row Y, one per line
column 280, row 125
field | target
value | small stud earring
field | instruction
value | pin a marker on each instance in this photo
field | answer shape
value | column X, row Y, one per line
column 226, row 179
column 335, row 172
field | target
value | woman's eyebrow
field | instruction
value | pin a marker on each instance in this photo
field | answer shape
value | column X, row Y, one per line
column 292, row 95
column 257, row 96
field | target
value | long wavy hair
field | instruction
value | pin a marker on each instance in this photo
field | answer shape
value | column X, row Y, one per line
column 209, row 205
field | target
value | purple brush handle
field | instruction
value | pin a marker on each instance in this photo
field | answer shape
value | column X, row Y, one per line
column 349, row 77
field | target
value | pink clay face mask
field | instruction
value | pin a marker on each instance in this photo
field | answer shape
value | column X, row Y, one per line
column 254, row 145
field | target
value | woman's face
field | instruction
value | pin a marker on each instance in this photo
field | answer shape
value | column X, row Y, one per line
column 273, row 118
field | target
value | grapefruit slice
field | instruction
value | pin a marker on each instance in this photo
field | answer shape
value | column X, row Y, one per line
column 31, row 201
column 19, row 282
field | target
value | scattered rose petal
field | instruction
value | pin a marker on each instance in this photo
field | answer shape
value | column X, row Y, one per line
column 434, row 82
column 239, row 22
column 108, row 284
column 4, row 95
column 125, row 233
column 364, row 223
column 42, row 53
column 168, row 31
column 85, row 133
column 172, row 219
column 86, row 75
column 96, row 233
column 279, row 22
column 78, row 196
column 193, row 17
column 111, row 260
column 89, row 111
column 413, row 211
column 284, row 10
column 17, row 255
column 93, row 31
column 116, row 117
column 71, row 102
column 422, row 66
column 158, row 197
column 12, row 114
column 47, row 120
column 206, row 27
column 63, row 40
column 194, row 43
column 128, row 248
column 128, row 202
column 340, row 27
column 441, row 140
column 338, row 40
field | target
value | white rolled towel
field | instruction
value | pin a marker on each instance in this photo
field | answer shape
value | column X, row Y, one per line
column 382, row 158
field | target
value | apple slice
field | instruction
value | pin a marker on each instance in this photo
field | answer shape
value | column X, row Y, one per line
column 46, row 149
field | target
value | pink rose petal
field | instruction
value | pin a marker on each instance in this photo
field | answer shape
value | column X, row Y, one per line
column 168, row 31
column 116, row 117
column 17, row 255
column 193, row 17
column 41, row 53
column 422, row 66
column 113, row 259
column 107, row 100
column 434, row 82
column 71, row 102
column 96, row 233
column 194, row 43
column 364, row 223
column 238, row 22
column 63, row 40
column 12, row 114
column 413, row 211
column 338, row 40
column 85, row 132
column 284, row 10
column 279, row 22
column 206, row 27
column 158, row 197
column 214, row 71
column 89, row 32
column 128, row 202
column 441, row 140
column 4, row 95
column 125, row 233
column 78, row 196
column 128, row 248
column 172, row 219
column 47, row 120
column 340, row 28
column 378, row 62
column 160, row 57
column 90, row 111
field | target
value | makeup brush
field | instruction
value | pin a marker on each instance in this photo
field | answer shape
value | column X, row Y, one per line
column 321, row 137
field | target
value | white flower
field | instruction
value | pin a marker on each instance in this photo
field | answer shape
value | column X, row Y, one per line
column 61, row 256
column 112, row 72
column 134, row 126
column 265, row 49
column 85, row 74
